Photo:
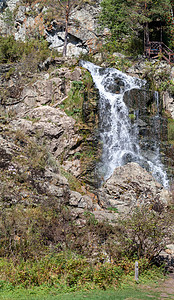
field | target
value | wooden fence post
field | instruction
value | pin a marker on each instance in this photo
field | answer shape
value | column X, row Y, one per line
column 136, row 271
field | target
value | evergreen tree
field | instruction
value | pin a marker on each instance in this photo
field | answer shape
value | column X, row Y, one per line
column 131, row 18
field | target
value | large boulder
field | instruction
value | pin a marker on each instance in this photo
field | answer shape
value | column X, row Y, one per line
column 130, row 186
column 24, row 182
column 51, row 124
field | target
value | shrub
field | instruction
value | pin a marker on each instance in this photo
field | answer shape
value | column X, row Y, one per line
column 73, row 104
column 10, row 50
column 144, row 232
column 170, row 130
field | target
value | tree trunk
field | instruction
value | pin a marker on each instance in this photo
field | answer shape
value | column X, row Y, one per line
column 146, row 34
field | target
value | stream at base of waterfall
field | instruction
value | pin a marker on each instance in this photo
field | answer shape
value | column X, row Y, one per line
column 118, row 135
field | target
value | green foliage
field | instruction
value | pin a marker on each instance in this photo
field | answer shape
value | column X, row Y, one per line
column 132, row 117
column 145, row 231
column 114, row 209
column 171, row 88
column 65, row 271
column 40, row 47
column 45, row 246
column 13, row 51
column 74, row 183
column 128, row 291
column 113, row 17
column 126, row 18
column 37, row 154
column 10, row 50
column 157, row 78
column 170, row 130
column 73, row 104
column 8, row 18
column 9, row 73
column 29, row 238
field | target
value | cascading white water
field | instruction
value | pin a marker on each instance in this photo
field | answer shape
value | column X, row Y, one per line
column 118, row 136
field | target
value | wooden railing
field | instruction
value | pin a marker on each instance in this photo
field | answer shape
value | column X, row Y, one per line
column 155, row 49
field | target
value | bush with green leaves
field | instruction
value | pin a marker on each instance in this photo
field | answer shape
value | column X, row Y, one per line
column 73, row 104
column 170, row 127
column 44, row 245
column 145, row 232
column 14, row 51
column 128, row 20
column 10, row 50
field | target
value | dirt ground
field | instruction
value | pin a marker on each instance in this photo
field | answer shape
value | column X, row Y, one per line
column 165, row 288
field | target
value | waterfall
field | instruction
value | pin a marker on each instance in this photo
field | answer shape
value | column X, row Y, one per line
column 156, row 98
column 119, row 137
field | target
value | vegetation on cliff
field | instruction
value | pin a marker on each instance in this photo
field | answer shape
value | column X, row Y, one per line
column 46, row 246
column 128, row 21
column 46, row 240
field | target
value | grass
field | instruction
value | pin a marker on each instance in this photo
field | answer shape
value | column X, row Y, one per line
column 130, row 292
column 127, row 288
column 114, row 209
column 73, row 104
column 74, row 183
column 171, row 130
column 132, row 117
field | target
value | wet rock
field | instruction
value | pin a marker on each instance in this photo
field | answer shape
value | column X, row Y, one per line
column 138, row 100
column 113, row 85
column 130, row 186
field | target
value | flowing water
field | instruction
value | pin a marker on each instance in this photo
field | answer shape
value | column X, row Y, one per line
column 118, row 135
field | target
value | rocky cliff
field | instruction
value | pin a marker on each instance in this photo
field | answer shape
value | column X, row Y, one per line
column 49, row 145
column 25, row 20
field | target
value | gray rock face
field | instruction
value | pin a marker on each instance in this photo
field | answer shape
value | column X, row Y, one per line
column 43, row 185
column 77, row 200
column 55, row 185
column 12, row 4
column 168, row 103
column 6, row 152
column 130, row 186
column 51, row 123
column 46, row 90
column 155, row 71
column 143, row 67
column 82, row 32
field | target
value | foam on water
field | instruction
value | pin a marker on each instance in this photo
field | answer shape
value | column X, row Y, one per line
column 118, row 135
